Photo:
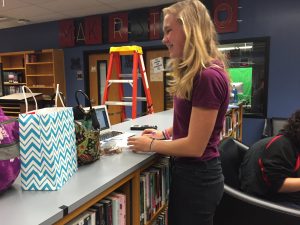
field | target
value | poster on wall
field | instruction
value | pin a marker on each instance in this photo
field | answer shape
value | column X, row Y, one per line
column 225, row 15
column 156, row 69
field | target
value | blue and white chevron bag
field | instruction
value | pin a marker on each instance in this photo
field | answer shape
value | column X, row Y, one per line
column 47, row 147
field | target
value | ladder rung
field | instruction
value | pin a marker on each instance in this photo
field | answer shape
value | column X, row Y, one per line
column 137, row 98
column 121, row 81
column 118, row 103
column 126, row 75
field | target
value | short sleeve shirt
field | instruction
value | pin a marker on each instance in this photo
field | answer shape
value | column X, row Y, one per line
column 210, row 90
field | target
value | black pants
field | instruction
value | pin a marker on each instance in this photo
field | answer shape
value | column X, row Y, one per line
column 196, row 190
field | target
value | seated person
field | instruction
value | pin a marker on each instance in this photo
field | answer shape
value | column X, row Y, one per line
column 271, row 167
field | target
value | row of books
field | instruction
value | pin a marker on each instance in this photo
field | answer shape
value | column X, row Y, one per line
column 109, row 211
column 162, row 218
column 11, row 90
column 231, row 123
column 154, row 189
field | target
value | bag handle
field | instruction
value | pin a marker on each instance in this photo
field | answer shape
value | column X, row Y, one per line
column 58, row 94
column 86, row 97
column 25, row 97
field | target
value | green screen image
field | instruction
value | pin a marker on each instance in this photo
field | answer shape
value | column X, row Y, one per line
column 242, row 79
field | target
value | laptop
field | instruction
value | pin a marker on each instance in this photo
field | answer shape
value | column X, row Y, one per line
column 106, row 131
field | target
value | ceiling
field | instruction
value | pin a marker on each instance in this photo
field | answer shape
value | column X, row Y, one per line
column 15, row 13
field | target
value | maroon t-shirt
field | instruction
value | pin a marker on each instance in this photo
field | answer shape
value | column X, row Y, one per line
column 210, row 90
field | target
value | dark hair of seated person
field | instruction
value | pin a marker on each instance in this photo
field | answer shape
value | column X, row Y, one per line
column 292, row 128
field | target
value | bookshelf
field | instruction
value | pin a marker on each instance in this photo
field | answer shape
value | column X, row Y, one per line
column 44, row 69
column 13, row 72
column 39, row 70
column 233, row 122
column 130, row 186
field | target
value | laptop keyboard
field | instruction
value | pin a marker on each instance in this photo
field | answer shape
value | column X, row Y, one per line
column 109, row 135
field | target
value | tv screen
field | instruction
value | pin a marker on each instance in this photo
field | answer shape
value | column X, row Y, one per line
column 242, row 79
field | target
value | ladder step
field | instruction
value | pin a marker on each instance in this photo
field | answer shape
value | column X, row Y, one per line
column 137, row 98
column 126, row 75
column 118, row 103
column 121, row 81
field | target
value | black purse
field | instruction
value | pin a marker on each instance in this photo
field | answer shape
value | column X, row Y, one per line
column 86, row 115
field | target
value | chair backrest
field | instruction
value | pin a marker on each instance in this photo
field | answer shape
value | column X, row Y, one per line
column 232, row 153
column 278, row 124
column 273, row 126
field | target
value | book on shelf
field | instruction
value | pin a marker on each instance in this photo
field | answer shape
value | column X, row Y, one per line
column 122, row 209
column 154, row 189
column 142, row 199
column 85, row 218
column 107, row 211
column 115, row 208
column 99, row 210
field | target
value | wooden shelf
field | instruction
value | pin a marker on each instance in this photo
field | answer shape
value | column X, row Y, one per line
column 39, row 75
column 13, row 84
column 13, row 68
column 38, row 63
column 40, row 87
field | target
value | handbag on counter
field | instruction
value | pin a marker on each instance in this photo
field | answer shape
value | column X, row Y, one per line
column 87, row 132
column 47, row 147
column 9, row 151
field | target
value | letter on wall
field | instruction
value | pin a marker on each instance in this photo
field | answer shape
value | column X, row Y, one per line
column 66, row 33
column 93, row 30
column 154, row 24
column 118, row 27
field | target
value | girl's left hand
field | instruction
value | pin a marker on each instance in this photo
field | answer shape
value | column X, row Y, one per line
column 139, row 143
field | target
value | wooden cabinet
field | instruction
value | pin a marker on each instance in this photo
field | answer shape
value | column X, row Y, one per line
column 39, row 70
column 44, row 69
column 233, row 122
column 13, row 72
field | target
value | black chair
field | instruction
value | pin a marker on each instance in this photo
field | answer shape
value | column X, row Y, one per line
column 239, row 208
column 273, row 126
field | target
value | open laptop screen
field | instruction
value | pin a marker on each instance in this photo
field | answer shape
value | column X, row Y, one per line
column 102, row 118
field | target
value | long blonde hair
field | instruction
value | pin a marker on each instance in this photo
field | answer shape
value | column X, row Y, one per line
column 200, row 47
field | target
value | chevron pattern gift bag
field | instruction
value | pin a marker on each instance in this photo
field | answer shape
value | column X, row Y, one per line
column 47, row 148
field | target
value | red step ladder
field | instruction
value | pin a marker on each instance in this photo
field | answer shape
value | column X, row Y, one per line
column 131, row 79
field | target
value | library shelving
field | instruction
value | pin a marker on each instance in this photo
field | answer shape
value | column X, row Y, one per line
column 89, row 185
column 233, row 123
column 13, row 72
column 44, row 69
column 39, row 70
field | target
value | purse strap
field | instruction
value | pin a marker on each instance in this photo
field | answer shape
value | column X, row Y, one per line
column 9, row 121
column 86, row 97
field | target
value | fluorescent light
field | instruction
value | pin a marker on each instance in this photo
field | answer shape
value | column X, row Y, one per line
column 246, row 47
column 227, row 48
column 235, row 48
